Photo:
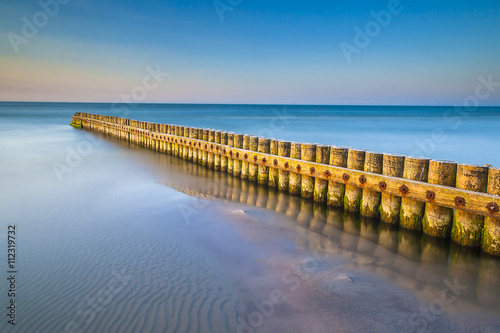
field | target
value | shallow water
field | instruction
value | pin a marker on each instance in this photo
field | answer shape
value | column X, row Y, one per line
column 128, row 240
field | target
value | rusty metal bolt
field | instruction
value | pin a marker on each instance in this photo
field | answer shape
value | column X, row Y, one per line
column 212, row 147
column 205, row 146
column 246, row 156
column 345, row 177
column 275, row 162
column 460, row 201
column 255, row 158
column 237, row 155
column 298, row 167
column 264, row 160
column 175, row 140
column 362, row 179
column 217, row 148
column 493, row 207
column 286, row 165
column 403, row 189
column 430, row 195
column 327, row 173
column 382, row 186
column 312, row 170
column 190, row 144
column 231, row 153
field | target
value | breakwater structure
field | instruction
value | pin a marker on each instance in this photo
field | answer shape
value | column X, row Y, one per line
column 443, row 199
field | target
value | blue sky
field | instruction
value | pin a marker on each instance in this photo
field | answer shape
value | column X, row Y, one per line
column 270, row 52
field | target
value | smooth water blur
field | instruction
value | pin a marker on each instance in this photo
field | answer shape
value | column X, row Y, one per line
column 116, row 238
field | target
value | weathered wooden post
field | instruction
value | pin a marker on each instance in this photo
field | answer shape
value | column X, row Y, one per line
column 307, row 153
column 370, row 201
column 468, row 227
column 491, row 233
column 438, row 220
column 321, row 185
column 295, row 179
column 170, row 145
column 264, row 146
column 185, row 149
column 273, row 172
column 353, row 194
column 412, row 212
column 336, row 191
column 217, row 156
column 223, row 158
column 244, row 164
column 230, row 160
column 284, row 176
column 205, row 147
column 253, row 169
column 238, row 143
column 211, row 155
column 177, row 146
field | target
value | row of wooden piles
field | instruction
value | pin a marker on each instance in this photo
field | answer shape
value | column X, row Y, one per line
column 465, row 228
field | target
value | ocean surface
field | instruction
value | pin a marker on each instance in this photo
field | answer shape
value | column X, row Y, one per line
column 111, row 237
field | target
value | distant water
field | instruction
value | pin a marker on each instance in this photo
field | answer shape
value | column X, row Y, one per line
column 114, row 238
column 462, row 135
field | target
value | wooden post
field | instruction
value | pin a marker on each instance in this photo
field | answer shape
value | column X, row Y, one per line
column 170, row 131
column 491, row 233
column 307, row 153
column 295, row 179
column 230, row 161
column 264, row 146
column 321, row 185
column 178, row 150
column 273, row 172
column 190, row 147
column 412, row 212
column 439, row 220
column 393, row 165
column 238, row 143
column 370, row 201
column 336, row 191
column 353, row 194
column 253, row 169
column 204, row 161
column 244, row 164
column 468, row 227
column 185, row 149
column 284, row 176
column 223, row 158
column 217, row 156
column 211, row 156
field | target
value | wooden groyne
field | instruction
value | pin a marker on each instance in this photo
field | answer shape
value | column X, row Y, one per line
column 441, row 198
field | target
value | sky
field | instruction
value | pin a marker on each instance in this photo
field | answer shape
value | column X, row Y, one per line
column 251, row 51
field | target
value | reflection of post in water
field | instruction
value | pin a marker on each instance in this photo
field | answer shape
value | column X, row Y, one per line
column 305, row 213
column 318, row 220
column 350, row 237
column 463, row 269
column 369, row 235
column 488, row 293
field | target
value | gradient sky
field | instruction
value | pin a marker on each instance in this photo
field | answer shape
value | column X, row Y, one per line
column 263, row 52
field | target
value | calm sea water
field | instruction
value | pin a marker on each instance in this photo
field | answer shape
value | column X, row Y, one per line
column 114, row 238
